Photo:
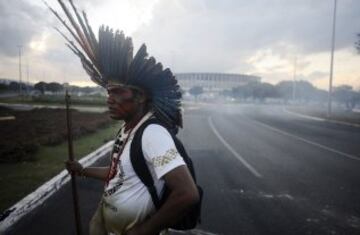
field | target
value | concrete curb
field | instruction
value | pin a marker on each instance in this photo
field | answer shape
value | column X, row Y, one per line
column 36, row 198
column 321, row 119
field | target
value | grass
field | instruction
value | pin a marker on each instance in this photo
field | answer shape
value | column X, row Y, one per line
column 19, row 179
column 56, row 100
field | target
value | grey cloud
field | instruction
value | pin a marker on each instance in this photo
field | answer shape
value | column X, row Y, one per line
column 316, row 75
column 202, row 35
column 20, row 22
column 217, row 34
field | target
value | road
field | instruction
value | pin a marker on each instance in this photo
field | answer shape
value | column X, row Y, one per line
column 263, row 170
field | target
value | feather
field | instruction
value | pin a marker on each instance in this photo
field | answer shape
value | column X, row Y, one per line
column 110, row 58
column 87, row 39
column 92, row 39
column 63, row 22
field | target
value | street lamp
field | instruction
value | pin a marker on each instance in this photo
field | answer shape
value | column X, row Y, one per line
column 332, row 61
column 294, row 79
column 20, row 74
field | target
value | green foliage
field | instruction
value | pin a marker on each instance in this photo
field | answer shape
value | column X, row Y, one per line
column 96, row 100
column 255, row 91
column 18, row 152
column 22, row 178
column 347, row 96
column 14, row 86
column 40, row 86
column 196, row 91
column 21, row 138
column 3, row 87
column 301, row 90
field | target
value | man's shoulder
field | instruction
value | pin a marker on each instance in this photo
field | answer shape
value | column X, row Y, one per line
column 155, row 130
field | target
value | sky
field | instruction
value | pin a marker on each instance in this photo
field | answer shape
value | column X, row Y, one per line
column 273, row 39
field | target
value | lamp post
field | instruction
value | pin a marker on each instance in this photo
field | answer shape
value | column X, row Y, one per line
column 294, row 80
column 20, row 71
column 332, row 61
column 27, row 76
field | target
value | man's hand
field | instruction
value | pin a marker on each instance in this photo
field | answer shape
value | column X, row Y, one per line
column 136, row 230
column 74, row 167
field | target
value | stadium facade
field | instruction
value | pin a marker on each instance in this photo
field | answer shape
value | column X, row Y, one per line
column 214, row 82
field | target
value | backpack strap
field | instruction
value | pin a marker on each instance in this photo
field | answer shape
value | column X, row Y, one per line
column 139, row 163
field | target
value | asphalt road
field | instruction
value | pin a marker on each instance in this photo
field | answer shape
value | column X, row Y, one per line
column 264, row 171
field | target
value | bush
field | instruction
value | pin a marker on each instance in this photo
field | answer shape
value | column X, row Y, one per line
column 21, row 138
column 17, row 152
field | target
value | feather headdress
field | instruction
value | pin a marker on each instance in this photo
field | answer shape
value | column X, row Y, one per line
column 109, row 60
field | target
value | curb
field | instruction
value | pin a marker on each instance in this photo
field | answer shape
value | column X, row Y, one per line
column 36, row 198
column 321, row 119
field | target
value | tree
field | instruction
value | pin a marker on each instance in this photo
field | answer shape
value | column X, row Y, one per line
column 54, row 87
column 285, row 90
column 304, row 90
column 14, row 86
column 344, row 94
column 196, row 91
column 261, row 91
column 357, row 44
column 41, row 86
column 3, row 87
column 242, row 92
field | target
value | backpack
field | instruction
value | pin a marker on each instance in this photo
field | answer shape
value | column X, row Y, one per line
column 192, row 216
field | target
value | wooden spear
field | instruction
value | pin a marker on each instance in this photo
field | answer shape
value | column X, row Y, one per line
column 71, row 158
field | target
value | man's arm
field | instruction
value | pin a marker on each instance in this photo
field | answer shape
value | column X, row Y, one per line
column 99, row 173
column 183, row 194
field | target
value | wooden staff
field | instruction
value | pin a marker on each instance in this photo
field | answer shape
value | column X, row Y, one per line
column 71, row 158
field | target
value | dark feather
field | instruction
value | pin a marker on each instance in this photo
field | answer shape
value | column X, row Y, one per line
column 111, row 58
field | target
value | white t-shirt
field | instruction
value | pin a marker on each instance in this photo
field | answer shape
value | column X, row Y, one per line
column 126, row 200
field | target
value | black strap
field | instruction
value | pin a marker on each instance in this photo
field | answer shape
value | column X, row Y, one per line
column 139, row 163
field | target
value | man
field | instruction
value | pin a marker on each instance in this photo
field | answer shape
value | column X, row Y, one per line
column 126, row 203
column 124, row 191
column 138, row 89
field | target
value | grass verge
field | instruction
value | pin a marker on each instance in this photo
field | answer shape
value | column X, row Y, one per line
column 19, row 179
column 55, row 100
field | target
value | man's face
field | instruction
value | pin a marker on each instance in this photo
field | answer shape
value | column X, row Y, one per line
column 121, row 102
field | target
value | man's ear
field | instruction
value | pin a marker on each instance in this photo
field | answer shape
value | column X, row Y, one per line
column 141, row 97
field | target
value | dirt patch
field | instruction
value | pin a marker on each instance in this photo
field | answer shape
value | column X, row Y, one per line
column 21, row 137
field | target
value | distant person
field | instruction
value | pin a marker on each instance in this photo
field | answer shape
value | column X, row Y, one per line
column 139, row 90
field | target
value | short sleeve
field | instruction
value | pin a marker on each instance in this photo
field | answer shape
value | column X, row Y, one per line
column 159, row 150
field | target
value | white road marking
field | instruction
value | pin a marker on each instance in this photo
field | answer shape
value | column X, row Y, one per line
column 320, row 119
column 238, row 156
column 353, row 157
column 302, row 115
column 7, row 118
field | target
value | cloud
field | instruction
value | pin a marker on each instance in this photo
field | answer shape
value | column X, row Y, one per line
column 20, row 22
column 316, row 75
column 222, row 35
column 260, row 36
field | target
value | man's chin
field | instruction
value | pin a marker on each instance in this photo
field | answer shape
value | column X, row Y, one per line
column 114, row 117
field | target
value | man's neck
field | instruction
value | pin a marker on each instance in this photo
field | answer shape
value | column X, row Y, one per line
column 131, row 123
